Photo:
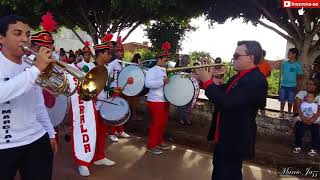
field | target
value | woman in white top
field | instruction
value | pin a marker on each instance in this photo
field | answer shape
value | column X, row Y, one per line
column 313, row 86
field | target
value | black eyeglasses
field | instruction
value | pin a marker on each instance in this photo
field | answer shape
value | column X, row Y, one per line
column 236, row 56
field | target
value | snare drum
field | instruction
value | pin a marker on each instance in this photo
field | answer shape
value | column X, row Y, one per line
column 138, row 74
column 117, row 113
column 181, row 90
column 56, row 107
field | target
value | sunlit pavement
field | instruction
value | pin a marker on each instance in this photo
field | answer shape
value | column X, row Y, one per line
column 134, row 163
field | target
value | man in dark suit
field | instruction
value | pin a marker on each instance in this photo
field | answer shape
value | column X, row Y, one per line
column 236, row 105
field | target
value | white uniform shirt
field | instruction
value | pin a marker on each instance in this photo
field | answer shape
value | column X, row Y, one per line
column 82, row 63
column 303, row 95
column 309, row 109
column 55, row 55
column 154, row 81
column 114, row 69
column 24, row 118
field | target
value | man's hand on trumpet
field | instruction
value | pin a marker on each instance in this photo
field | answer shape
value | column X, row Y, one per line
column 204, row 74
column 43, row 58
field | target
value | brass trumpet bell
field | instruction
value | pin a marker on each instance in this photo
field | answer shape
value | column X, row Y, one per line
column 54, row 78
column 93, row 83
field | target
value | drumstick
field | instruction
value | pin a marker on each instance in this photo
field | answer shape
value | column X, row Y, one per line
column 108, row 102
column 131, row 82
column 125, row 85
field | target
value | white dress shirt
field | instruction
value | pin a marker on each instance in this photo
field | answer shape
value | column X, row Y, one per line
column 24, row 118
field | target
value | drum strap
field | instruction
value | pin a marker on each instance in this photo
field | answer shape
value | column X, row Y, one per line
column 84, row 129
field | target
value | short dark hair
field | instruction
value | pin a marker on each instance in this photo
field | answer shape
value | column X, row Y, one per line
column 218, row 60
column 72, row 56
column 10, row 19
column 294, row 51
column 264, row 53
column 316, row 82
column 253, row 48
column 99, row 51
column 136, row 57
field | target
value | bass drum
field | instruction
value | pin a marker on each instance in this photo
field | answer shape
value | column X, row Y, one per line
column 137, row 88
column 181, row 89
column 56, row 107
column 117, row 113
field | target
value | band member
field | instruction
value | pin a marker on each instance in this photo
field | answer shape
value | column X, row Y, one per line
column 86, row 65
column 44, row 39
column 236, row 105
column 156, row 78
column 114, row 69
column 26, row 135
column 92, row 126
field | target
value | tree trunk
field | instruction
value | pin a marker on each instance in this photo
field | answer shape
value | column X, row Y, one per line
column 78, row 36
column 94, row 38
column 306, row 59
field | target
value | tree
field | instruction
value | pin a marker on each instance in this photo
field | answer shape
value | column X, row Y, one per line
column 170, row 29
column 101, row 16
column 31, row 9
column 300, row 30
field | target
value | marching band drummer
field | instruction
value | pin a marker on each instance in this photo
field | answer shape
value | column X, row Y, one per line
column 156, row 78
column 27, row 136
column 86, row 65
column 103, row 54
column 114, row 69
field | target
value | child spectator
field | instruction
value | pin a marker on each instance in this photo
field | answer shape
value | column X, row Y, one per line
column 290, row 69
column 309, row 108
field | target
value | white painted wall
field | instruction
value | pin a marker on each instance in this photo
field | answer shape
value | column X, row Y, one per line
column 67, row 39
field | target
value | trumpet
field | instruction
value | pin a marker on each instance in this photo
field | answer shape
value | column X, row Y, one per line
column 197, row 67
column 54, row 78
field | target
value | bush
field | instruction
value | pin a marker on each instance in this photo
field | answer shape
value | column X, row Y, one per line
column 273, row 82
column 144, row 53
column 128, row 56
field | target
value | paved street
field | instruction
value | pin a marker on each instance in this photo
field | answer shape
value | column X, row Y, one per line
column 134, row 163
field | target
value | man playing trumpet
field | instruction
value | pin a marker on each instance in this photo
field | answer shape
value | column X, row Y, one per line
column 26, row 128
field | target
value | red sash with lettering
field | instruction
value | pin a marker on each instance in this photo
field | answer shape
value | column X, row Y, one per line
column 84, row 130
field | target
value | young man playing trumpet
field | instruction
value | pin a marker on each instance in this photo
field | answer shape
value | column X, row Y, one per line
column 26, row 134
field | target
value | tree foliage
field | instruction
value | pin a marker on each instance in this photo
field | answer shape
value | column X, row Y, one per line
column 197, row 55
column 168, row 29
column 300, row 30
column 101, row 16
